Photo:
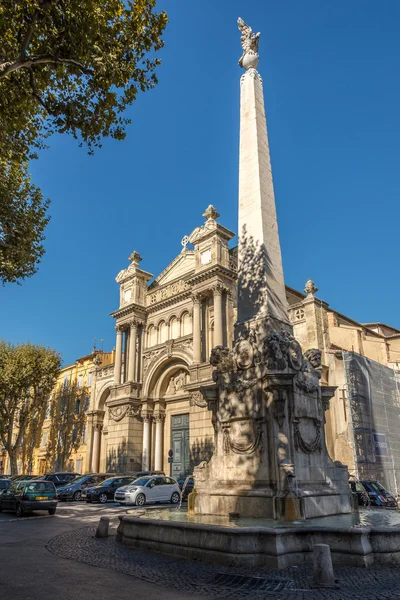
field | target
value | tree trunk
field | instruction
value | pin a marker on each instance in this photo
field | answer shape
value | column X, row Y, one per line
column 12, row 454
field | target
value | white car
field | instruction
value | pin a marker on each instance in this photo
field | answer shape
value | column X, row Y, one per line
column 149, row 489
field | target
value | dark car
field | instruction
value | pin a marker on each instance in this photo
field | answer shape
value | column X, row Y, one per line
column 74, row 489
column 106, row 490
column 372, row 493
column 59, row 479
column 188, row 488
column 26, row 496
column 23, row 477
column 4, row 484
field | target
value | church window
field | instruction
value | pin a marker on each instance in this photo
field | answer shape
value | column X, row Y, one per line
column 174, row 328
column 151, row 336
column 162, row 332
column 186, row 324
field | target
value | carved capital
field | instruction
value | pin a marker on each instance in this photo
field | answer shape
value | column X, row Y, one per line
column 159, row 418
column 147, row 417
column 218, row 289
column 196, row 297
column 134, row 324
column 119, row 328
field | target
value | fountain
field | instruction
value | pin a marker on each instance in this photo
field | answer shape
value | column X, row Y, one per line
column 270, row 491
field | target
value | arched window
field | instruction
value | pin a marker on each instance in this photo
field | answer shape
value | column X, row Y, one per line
column 174, row 332
column 162, row 332
column 151, row 336
column 186, row 324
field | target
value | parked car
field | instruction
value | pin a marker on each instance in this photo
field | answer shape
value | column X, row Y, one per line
column 5, row 476
column 4, row 484
column 105, row 491
column 23, row 477
column 59, row 479
column 188, row 488
column 149, row 489
column 372, row 493
column 26, row 496
column 146, row 473
column 74, row 489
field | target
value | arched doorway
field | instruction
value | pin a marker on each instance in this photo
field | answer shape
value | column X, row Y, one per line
column 168, row 409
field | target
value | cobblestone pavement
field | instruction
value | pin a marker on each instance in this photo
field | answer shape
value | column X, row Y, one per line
column 216, row 581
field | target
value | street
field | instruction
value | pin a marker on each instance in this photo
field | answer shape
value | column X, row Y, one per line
column 29, row 571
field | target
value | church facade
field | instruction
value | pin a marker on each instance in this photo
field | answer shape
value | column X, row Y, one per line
column 151, row 402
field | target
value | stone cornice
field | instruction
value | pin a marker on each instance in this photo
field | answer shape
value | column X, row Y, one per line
column 168, row 301
column 212, row 272
column 131, row 310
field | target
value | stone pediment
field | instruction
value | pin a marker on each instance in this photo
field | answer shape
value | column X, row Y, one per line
column 181, row 266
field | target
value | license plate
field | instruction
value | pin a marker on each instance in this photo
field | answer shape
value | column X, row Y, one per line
column 42, row 497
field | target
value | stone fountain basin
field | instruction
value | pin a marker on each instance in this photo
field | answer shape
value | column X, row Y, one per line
column 277, row 545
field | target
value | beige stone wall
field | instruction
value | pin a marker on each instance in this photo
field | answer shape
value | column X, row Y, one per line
column 201, row 434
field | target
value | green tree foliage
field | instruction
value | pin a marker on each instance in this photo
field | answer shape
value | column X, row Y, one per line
column 73, row 67
column 67, row 421
column 23, row 218
column 28, row 373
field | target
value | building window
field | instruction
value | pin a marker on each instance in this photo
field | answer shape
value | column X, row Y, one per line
column 151, row 336
column 65, row 381
column 44, row 439
column 84, row 434
column 78, row 406
column 80, row 381
column 87, row 403
column 162, row 332
column 89, row 379
column 78, row 465
column 186, row 324
column 174, row 328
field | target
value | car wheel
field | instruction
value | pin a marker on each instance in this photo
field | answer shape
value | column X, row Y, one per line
column 52, row 511
column 140, row 500
column 175, row 498
column 77, row 496
column 20, row 511
column 103, row 498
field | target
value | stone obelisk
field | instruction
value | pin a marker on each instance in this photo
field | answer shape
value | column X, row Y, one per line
column 261, row 288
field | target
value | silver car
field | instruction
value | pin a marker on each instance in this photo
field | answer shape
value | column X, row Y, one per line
column 149, row 489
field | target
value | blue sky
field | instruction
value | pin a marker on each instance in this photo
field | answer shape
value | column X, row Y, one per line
column 332, row 90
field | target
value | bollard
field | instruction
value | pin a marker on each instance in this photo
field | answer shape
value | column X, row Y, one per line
column 322, row 566
column 102, row 527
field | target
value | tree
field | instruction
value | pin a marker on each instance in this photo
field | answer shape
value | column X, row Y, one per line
column 67, row 421
column 28, row 373
column 73, row 67
column 23, row 218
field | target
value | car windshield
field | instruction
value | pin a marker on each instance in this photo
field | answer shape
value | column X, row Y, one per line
column 141, row 481
column 108, row 482
column 377, row 487
column 79, row 479
column 40, row 486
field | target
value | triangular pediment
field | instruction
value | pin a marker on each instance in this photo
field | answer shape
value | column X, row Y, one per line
column 181, row 266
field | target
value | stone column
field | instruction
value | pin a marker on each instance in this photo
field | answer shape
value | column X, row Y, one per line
column 96, row 448
column 196, row 328
column 146, row 442
column 132, row 352
column 218, row 325
column 158, row 463
column 118, row 356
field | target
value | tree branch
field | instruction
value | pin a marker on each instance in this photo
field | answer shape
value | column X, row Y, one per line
column 42, row 59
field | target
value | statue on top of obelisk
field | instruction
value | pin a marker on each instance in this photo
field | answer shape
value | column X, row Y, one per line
column 249, row 40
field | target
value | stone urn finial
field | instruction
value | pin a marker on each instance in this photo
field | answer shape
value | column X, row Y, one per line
column 249, row 41
column 135, row 258
column 310, row 288
column 211, row 213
